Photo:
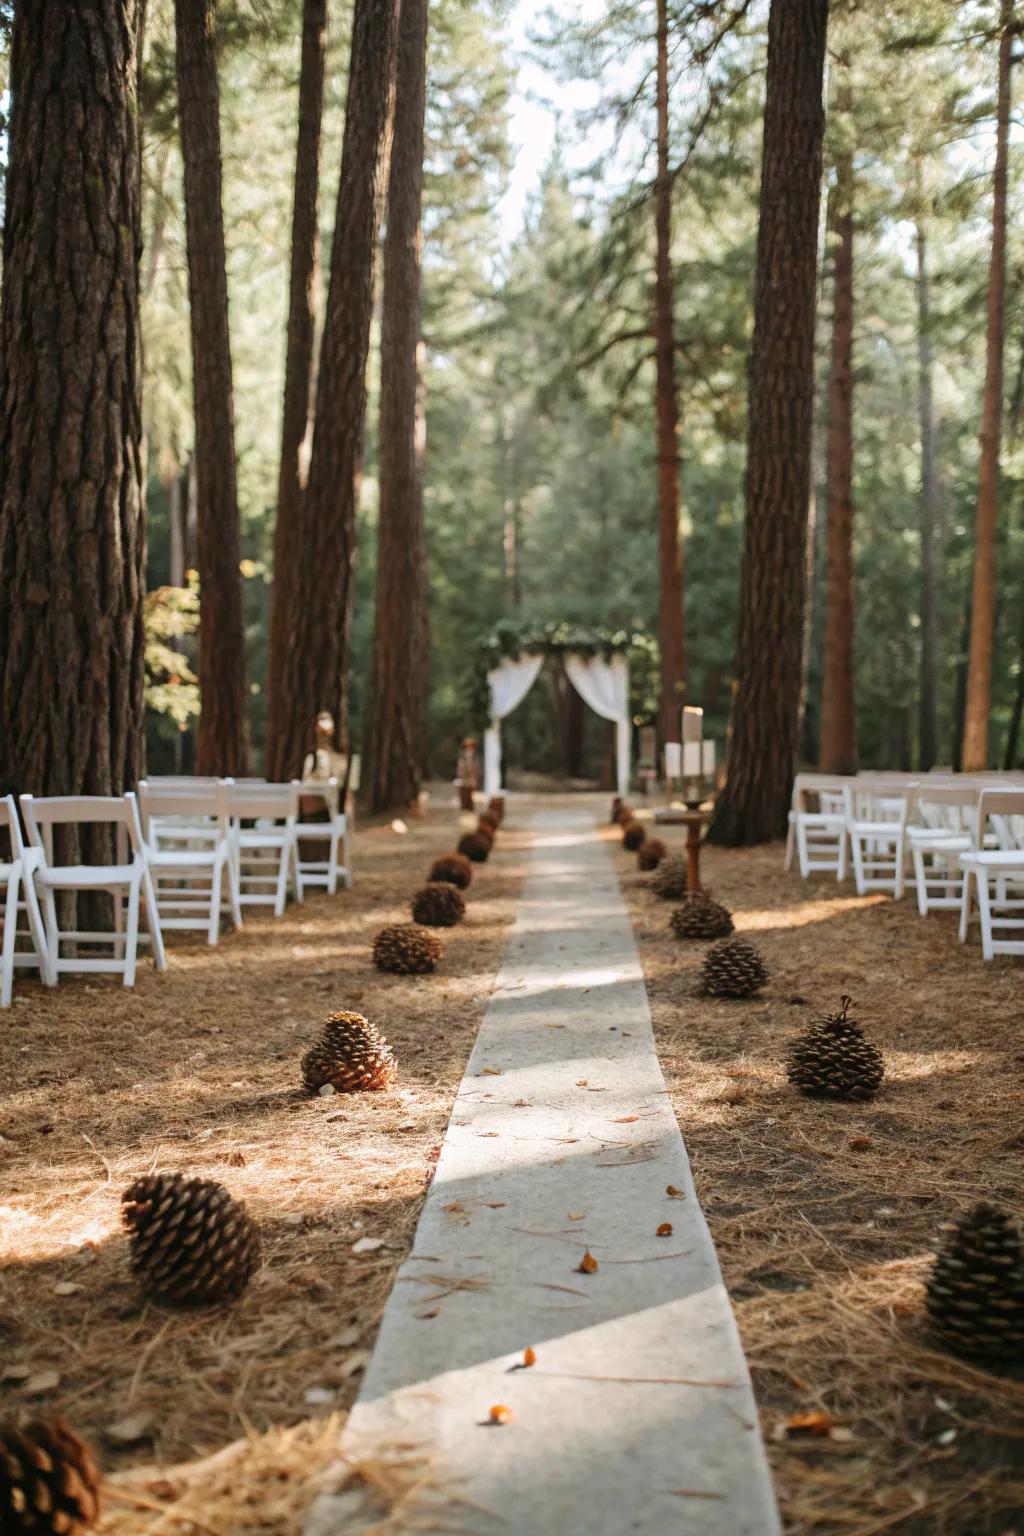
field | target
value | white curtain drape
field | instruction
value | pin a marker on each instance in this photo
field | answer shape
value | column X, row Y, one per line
column 509, row 682
column 604, row 685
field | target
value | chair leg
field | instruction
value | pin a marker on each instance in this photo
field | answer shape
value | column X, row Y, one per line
column 899, row 854
column 332, row 863
column 858, row 862
column 52, row 931
column 156, row 933
column 802, row 853
column 985, row 915
column 921, row 880
column 38, row 933
column 131, row 935
column 347, row 859
column 234, row 893
column 282, row 882
column 213, row 927
column 10, row 933
column 965, row 906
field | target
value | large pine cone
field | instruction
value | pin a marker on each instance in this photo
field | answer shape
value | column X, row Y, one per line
column 454, row 868
column 700, row 917
column 832, row 1059
column 670, row 879
column 438, row 905
column 496, row 808
column 623, row 814
column 733, row 968
column 634, row 834
column 407, row 950
column 650, row 853
column 351, row 1055
column 49, row 1482
column 475, row 846
column 191, row 1242
column 975, row 1293
column 488, row 824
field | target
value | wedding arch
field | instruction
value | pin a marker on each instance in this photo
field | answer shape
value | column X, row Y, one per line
column 596, row 663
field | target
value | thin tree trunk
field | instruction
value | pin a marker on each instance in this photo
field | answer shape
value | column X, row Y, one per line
column 838, row 752
column 983, row 616
column 298, row 372
column 928, row 721
column 314, row 675
column 222, row 746
column 176, row 520
column 670, row 547
column 72, row 527
column 396, row 733
column 753, row 805
column 960, row 690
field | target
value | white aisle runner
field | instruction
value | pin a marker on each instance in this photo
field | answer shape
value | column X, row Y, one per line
column 637, row 1415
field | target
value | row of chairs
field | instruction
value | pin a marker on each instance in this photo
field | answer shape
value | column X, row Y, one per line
column 961, row 836
column 186, row 850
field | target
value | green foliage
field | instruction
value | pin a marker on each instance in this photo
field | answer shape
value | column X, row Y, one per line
column 171, row 619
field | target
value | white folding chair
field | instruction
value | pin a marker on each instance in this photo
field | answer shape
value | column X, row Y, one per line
column 330, row 834
column 19, row 897
column 126, row 881
column 263, row 819
column 188, row 838
column 997, row 873
column 944, row 828
column 818, row 836
column 876, row 824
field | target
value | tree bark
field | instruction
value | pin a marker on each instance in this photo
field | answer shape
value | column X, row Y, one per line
column 983, row 609
column 671, row 635
column 838, row 753
column 72, row 528
column 315, row 644
column 298, row 373
column 395, row 740
column 753, row 805
column 222, row 745
column 928, row 719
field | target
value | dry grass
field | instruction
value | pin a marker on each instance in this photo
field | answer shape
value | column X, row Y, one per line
column 825, row 1215
column 236, row 1409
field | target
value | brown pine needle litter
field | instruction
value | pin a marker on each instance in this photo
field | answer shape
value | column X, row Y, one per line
column 220, row 1421
column 825, row 1214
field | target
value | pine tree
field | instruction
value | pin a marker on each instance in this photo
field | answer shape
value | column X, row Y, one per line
column 72, row 533
column 223, row 734
column 395, row 744
column 753, row 805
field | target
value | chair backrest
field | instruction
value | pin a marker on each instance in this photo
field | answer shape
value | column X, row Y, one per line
column 10, row 825
column 1005, row 809
column 828, row 787
column 878, row 799
column 43, row 814
column 183, row 781
column 949, row 806
column 183, row 804
column 249, row 802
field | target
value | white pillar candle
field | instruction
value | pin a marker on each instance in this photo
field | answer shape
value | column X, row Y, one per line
column 673, row 760
column 691, row 759
column 707, row 760
column 693, row 723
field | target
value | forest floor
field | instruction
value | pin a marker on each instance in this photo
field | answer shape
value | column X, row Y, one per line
column 825, row 1215
column 218, row 1422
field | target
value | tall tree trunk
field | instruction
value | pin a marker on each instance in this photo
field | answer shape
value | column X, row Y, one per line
column 960, row 688
column 222, row 746
column 928, row 720
column 178, row 532
column 298, row 370
column 983, row 615
column 395, row 741
column 1017, row 713
column 316, row 646
column 670, row 546
column 838, row 752
column 753, row 805
column 72, row 530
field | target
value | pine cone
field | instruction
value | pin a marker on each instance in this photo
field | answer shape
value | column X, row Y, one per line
column 49, row 1482
column 475, row 846
column 670, row 880
column 496, row 808
column 488, row 824
column 351, row 1054
column 733, row 968
column 633, row 835
column 191, row 1243
column 832, row 1059
column 617, row 805
column 650, row 853
column 407, row 950
column 700, row 917
column 975, row 1293
column 624, row 813
column 438, row 905
column 454, row 868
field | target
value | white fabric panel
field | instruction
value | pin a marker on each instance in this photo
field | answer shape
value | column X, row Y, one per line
column 509, row 682
column 604, row 685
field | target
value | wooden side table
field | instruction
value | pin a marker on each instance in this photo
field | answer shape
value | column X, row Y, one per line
column 694, row 820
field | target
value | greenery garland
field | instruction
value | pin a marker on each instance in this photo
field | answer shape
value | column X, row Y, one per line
column 509, row 640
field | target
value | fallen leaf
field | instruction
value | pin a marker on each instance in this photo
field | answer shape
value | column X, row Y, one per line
column 49, row 1381
column 368, row 1245
column 816, row 1422
column 15, row 1373
column 500, row 1414
column 455, row 1205
column 576, row 1215
column 625, row 1119
column 529, row 1355
column 488, row 1133
column 665, row 1230
column 491, row 1072
column 581, row 1082
column 860, row 1143
column 66, row 1288
column 588, row 1264
column 673, row 1193
column 131, row 1430
column 495, row 1205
